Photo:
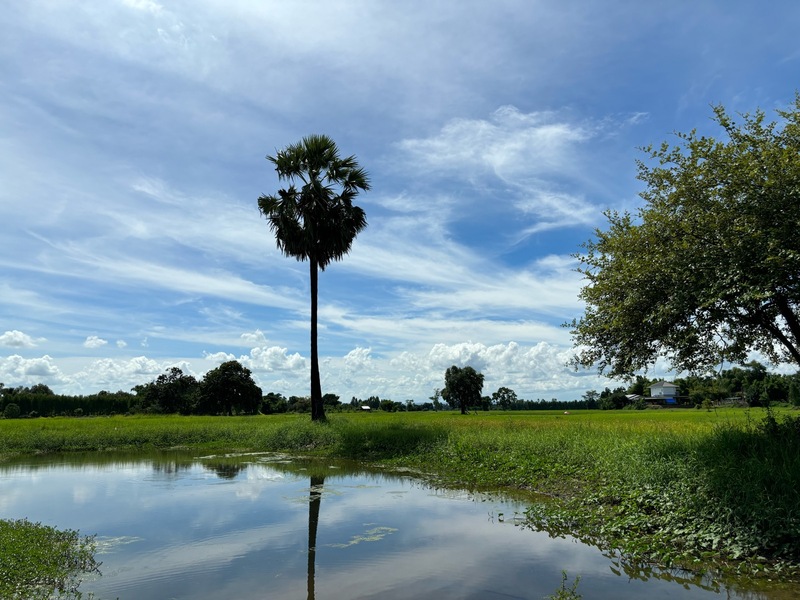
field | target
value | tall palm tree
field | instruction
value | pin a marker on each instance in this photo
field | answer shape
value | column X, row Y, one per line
column 317, row 220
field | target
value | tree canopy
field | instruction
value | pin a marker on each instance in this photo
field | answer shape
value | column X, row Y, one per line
column 170, row 392
column 462, row 387
column 317, row 221
column 708, row 270
column 504, row 397
column 229, row 389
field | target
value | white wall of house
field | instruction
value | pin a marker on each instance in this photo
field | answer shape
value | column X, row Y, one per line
column 663, row 389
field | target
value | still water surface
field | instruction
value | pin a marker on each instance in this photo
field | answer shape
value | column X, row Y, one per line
column 172, row 526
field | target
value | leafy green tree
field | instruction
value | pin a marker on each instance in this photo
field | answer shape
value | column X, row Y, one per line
column 273, row 403
column 227, row 389
column 504, row 398
column 330, row 400
column 299, row 404
column 610, row 400
column 41, row 388
column 317, row 221
column 590, row 398
column 170, row 392
column 709, row 268
column 462, row 387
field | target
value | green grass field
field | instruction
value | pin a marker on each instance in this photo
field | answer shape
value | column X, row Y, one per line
column 687, row 488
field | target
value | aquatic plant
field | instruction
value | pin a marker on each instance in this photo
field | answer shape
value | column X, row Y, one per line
column 564, row 592
column 38, row 562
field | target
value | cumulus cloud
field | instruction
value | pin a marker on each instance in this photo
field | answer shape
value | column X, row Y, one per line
column 533, row 371
column 274, row 359
column 358, row 359
column 122, row 344
column 256, row 338
column 107, row 373
column 16, row 370
column 94, row 342
column 17, row 339
column 218, row 357
column 263, row 359
column 462, row 355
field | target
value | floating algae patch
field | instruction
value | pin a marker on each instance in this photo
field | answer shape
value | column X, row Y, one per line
column 375, row 534
column 109, row 545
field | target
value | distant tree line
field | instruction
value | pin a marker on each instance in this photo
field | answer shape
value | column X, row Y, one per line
column 227, row 390
column 230, row 390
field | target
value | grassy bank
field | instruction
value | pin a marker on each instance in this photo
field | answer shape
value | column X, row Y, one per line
column 688, row 488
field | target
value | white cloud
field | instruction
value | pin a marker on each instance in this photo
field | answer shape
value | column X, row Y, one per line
column 256, row 338
column 17, row 339
column 358, row 359
column 538, row 156
column 114, row 374
column 121, row 344
column 80, row 260
column 94, row 342
column 218, row 357
column 274, row 359
column 510, row 144
column 16, row 370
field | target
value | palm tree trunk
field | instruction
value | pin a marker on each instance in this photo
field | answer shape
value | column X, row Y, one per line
column 317, row 410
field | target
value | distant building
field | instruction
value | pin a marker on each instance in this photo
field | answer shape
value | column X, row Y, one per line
column 664, row 389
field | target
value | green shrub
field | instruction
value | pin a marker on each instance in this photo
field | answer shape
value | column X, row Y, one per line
column 11, row 411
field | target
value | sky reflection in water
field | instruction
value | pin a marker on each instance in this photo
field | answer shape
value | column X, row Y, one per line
column 240, row 527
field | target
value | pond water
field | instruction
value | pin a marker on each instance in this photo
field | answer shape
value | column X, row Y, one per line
column 173, row 526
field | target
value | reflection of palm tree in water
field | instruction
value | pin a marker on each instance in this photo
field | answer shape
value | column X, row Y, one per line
column 314, row 499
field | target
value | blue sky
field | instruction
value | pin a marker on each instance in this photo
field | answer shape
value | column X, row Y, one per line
column 133, row 136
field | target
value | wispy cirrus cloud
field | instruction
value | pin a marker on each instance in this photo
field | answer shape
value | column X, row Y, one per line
column 511, row 144
column 541, row 159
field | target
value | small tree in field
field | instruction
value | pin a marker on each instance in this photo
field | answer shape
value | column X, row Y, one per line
column 462, row 387
column 227, row 389
column 504, row 397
